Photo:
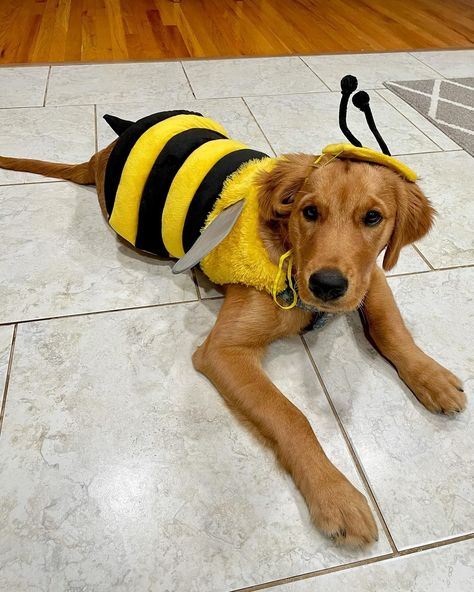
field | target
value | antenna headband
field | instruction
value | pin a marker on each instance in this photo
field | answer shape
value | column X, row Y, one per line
column 368, row 155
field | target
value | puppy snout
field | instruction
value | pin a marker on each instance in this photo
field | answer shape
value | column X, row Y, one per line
column 328, row 284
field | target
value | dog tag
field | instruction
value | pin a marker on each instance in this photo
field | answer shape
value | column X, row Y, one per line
column 214, row 234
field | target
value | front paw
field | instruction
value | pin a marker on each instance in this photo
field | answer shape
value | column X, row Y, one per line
column 438, row 389
column 342, row 512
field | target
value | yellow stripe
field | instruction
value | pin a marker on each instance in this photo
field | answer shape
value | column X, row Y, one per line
column 124, row 218
column 184, row 186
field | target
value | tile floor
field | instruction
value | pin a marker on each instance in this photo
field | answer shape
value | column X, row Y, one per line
column 120, row 466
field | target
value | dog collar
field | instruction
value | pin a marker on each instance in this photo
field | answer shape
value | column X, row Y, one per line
column 319, row 318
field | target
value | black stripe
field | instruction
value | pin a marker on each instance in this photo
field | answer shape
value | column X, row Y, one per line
column 155, row 192
column 121, row 150
column 210, row 189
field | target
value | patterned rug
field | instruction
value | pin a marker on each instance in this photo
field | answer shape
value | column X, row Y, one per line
column 448, row 104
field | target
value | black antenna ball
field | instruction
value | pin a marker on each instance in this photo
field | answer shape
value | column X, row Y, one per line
column 361, row 100
column 348, row 84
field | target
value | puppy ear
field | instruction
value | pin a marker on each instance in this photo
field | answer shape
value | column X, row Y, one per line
column 414, row 219
column 278, row 187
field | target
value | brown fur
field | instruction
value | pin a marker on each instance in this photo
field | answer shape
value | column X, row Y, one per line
column 343, row 191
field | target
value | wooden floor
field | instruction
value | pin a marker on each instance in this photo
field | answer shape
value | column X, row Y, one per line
column 104, row 30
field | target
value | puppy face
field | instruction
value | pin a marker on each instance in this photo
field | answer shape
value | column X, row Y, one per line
column 337, row 218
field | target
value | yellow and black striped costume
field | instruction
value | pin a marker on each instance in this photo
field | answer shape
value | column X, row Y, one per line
column 169, row 175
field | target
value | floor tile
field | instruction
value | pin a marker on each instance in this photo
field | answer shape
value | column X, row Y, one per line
column 23, row 87
column 409, row 262
column 446, row 178
column 371, row 69
column 434, row 133
column 450, row 64
column 126, row 467
column 61, row 134
column 118, row 83
column 309, row 122
column 60, row 258
column 6, row 333
column 233, row 114
column 447, row 569
column 419, row 464
column 251, row 76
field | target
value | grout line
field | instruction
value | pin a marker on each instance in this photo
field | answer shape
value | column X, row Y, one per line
column 135, row 101
column 275, row 95
column 466, row 266
column 258, row 125
column 432, row 270
column 352, row 451
column 312, row 574
column 213, row 297
column 423, row 257
column 196, row 283
column 413, row 54
column 46, row 87
column 437, row 544
column 97, row 312
column 30, row 182
column 314, row 72
column 354, row 564
column 409, row 120
column 430, row 152
column 96, row 139
column 408, row 273
column 7, row 377
column 187, row 78
column 22, row 107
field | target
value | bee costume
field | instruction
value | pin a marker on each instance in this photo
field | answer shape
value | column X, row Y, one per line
column 171, row 176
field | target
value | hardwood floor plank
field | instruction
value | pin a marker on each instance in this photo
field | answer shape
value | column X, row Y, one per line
column 73, row 47
column 116, row 30
column 41, row 46
column 59, row 33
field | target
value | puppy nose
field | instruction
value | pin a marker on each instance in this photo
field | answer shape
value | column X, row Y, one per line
column 328, row 284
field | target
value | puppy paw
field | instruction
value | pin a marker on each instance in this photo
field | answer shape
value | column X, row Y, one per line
column 438, row 389
column 342, row 512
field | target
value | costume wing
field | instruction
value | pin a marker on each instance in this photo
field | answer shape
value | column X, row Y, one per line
column 210, row 237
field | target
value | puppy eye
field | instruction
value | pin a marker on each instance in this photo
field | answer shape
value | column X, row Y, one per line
column 372, row 218
column 310, row 213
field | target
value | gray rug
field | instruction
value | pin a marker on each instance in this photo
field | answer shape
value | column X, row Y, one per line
column 448, row 104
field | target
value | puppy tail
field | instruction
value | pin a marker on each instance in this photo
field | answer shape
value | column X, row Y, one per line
column 83, row 174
